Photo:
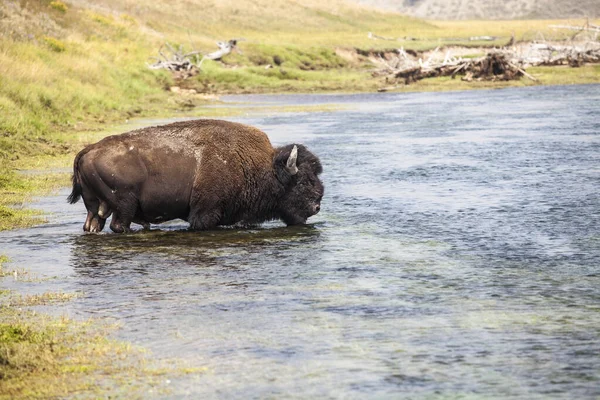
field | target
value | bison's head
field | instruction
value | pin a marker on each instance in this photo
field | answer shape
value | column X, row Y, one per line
column 298, row 171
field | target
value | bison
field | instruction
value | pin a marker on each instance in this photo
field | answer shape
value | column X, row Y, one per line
column 206, row 172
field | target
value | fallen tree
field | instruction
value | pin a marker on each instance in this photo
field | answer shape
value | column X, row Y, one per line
column 508, row 63
column 494, row 66
column 557, row 54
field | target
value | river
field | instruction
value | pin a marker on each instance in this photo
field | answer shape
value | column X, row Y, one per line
column 456, row 255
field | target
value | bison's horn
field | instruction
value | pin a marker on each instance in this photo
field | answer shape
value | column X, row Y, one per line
column 291, row 162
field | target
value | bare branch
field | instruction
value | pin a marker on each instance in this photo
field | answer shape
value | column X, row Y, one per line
column 176, row 60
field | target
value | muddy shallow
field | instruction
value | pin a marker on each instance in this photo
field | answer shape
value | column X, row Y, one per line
column 457, row 253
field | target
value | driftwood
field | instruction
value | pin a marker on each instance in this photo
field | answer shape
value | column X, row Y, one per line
column 371, row 35
column 483, row 38
column 185, row 65
column 493, row 67
column 509, row 63
column 177, row 60
column 587, row 27
column 224, row 49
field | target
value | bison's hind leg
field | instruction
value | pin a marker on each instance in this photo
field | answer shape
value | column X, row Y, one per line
column 121, row 222
column 117, row 226
column 88, row 221
column 94, row 221
column 97, row 224
column 104, row 210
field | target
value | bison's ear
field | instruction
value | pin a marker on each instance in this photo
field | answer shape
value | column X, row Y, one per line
column 285, row 163
column 290, row 165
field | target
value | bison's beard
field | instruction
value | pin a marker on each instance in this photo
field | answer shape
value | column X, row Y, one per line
column 294, row 220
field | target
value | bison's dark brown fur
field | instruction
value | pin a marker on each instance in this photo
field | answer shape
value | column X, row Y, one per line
column 206, row 172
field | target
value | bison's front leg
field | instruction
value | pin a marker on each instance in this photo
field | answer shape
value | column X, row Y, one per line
column 121, row 221
column 125, row 212
column 118, row 225
column 203, row 221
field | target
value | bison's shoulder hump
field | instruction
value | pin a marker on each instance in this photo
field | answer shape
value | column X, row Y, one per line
column 209, row 130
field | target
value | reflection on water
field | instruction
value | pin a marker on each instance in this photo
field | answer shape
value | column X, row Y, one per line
column 91, row 252
column 457, row 254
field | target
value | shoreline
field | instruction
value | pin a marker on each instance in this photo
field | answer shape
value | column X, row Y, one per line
column 16, row 193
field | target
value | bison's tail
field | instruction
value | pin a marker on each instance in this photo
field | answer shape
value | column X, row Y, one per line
column 76, row 193
column 77, row 190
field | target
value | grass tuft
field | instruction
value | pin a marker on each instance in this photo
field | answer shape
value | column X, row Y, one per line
column 17, row 188
column 44, row 299
column 105, row 20
column 55, row 44
column 58, row 6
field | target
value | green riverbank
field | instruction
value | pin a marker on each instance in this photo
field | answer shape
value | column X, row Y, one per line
column 44, row 356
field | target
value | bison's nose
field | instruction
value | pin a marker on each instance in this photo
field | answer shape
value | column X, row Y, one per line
column 317, row 208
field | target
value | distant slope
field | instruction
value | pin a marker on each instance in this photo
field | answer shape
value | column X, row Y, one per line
column 490, row 9
column 308, row 20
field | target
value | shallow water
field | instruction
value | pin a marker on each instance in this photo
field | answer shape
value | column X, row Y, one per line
column 457, row 253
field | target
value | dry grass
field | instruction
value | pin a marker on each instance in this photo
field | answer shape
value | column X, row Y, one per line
column 522, row 29
column 47, row 357
column 43, row 299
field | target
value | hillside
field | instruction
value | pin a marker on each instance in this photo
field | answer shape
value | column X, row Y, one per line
column 64, row 64
column 490, row 9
